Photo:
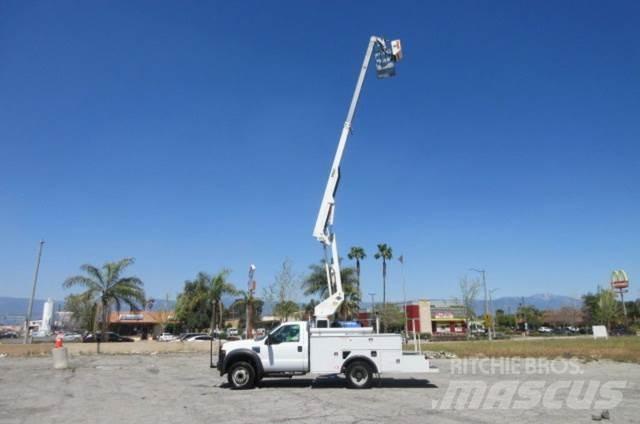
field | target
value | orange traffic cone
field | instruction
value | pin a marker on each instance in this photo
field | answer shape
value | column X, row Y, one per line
column 59, row 341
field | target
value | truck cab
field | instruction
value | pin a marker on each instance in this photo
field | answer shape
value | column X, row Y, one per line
column 284, row 351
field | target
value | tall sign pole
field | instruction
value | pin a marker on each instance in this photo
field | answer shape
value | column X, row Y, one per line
column 27, row 319
column 620, row 282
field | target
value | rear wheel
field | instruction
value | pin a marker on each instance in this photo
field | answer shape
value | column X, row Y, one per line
column 241, row 376
column 359, row 375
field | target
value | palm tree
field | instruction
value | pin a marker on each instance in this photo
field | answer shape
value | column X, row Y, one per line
column 316, row 284
column 106, row 288
column 286, row 309
column 247, row 305
column 218, row 287
column 358, row 254
column 193, row 306
column 385, row 253
column 309, row 308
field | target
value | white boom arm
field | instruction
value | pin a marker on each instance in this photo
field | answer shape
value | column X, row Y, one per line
column 323, row 230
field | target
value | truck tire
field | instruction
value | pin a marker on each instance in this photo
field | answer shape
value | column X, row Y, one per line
column 359, row 375
column 241, row 375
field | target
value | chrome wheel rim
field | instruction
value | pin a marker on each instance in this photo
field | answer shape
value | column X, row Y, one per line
column 359, row 375
column 240, row 377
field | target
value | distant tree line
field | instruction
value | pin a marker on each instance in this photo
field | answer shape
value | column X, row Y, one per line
column 200, row 305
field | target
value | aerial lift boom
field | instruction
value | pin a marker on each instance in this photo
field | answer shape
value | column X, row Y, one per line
column 386, row 55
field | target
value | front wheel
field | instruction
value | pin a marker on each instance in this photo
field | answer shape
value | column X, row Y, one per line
column 241, row 376
column 359, row 375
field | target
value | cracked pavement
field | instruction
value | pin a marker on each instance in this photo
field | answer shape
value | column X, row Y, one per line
column 181, row 388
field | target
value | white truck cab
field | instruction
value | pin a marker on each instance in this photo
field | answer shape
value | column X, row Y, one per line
column 294, row 348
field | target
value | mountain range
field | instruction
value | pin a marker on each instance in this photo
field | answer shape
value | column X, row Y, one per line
column 544, row 301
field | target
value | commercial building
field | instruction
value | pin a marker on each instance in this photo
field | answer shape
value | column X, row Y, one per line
column 436, row 318
column 140, row 323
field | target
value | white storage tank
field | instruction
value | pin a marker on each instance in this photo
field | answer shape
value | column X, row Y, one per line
column 47, row 317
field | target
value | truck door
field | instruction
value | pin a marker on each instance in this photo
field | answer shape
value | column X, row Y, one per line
column 286, row 350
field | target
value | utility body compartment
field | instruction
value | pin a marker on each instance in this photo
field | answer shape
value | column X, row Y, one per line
column 331, row 348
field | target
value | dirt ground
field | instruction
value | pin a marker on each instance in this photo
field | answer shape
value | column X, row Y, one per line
column 623, row 349
column 181, row 388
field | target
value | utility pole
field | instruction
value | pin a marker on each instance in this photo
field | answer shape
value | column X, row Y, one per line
column 33, row 293
column 373, row 303
column 404, row 294
column 486, row 298
column 525, row 324
column 251, row 288
column 165, row 314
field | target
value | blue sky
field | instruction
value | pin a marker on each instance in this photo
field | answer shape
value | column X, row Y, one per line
column 198, row 136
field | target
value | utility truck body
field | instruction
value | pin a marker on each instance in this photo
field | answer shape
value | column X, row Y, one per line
column 296, row 349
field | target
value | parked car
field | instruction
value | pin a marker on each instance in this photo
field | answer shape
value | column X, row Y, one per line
column 167, row 337
column 184, row 336
column 71, row 337
column 621, row 330
column 544, row 329
column 9, row 335
column 232, row 332
column 199, row 338
column 111, row 337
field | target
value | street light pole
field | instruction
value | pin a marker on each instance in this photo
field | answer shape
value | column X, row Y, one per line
column 373, row 312
column 33, row 293
column 486, row 298
column 404, row 294
column 493, row 312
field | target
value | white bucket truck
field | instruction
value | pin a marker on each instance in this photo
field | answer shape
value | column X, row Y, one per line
column 296, row 348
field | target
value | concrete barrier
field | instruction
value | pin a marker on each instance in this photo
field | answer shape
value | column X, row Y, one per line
column 60, row 358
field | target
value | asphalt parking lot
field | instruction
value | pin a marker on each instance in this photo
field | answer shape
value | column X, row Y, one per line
column 179, row 388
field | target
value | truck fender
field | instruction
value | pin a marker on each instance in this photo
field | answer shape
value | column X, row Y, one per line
column 246, row 355
column 351, row 359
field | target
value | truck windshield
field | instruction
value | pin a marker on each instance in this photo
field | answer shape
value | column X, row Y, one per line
column 286, row 333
